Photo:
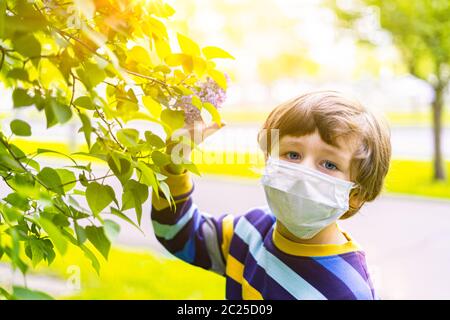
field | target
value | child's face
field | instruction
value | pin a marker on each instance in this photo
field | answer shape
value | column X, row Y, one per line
column 312, row 151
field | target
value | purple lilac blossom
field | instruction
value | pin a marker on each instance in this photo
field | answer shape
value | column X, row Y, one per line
column 208, row 91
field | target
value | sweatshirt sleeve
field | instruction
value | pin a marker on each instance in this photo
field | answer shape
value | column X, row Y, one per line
column 191, row 235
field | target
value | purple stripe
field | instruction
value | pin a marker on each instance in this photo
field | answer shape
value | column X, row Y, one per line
column 257, row 277
column 356, row 261
column 238, row 249
column 260, row 220
column 313, row 272
column 178, row 197
column 168, row 216
column 233, row 290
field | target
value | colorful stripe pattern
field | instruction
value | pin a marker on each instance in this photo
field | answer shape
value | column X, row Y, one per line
column 256, row 260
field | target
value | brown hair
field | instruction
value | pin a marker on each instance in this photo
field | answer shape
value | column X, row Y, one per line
column 336, row 116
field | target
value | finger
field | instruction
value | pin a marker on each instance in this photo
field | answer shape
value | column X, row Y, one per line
column 212, row 128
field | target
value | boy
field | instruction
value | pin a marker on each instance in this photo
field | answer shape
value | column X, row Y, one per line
column 329, row 156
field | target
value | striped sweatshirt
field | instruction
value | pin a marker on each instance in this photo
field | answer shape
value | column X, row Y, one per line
column 257, row 261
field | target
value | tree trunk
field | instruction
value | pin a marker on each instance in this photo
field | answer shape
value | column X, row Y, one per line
column 437, row 108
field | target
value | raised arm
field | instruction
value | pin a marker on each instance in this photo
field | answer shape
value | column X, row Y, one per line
column 191, row 235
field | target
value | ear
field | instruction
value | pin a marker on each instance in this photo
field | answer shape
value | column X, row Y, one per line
column 355, row 203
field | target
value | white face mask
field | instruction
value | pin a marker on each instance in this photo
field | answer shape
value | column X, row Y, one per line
column 304, row 200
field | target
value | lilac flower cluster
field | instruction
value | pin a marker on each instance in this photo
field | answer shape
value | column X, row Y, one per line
column 208, row 91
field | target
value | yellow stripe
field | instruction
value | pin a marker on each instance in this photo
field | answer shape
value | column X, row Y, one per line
column 313, row 250
column 178, row 184
column 235, row 269
column 250, row 293
column 227, row 234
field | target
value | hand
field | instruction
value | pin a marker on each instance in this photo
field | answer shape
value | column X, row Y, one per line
column 194, row 134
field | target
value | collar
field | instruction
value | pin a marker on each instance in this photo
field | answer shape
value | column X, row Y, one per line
column 313, row 250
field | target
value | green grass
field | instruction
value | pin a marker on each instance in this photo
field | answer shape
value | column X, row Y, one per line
column 137, row 274
column 415, row 178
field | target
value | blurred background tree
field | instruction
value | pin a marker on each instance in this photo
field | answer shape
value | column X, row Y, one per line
column 421, row 31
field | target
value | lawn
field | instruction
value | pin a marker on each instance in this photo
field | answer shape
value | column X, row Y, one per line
column 137, row 274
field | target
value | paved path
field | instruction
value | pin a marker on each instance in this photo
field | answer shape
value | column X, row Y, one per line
column 407, row 240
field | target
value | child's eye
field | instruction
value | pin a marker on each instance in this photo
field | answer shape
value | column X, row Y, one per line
column 292, row 155
column 329, row 165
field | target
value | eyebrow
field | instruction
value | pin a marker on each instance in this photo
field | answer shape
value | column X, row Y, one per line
column 328, row 148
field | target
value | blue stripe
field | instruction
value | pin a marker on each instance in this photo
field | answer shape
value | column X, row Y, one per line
column 167, row 231
column 274, row 267
column 345, row 271
column 188, row 252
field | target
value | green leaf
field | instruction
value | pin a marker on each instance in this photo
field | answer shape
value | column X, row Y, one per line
column 154, row 140
column 10, row 215
column 214, row 113
column 128, row 137
column 121, row 167
column 27, row 46
column 2, row 18
column 22, row 293
column 37, row 252
column 86, row 128
column 20, row 128
column 121, row 215
column 152, row 106
column 84, row 102
column 66, row 176
column 61, row 111
column 134, row 195
column 164, row 187
column 160, row 159
column 187, row 45
column 197, row 102
column 17, row 73
column 192, row 167
column 174, row 119
column 97, row 237
column 218, row 77
column 54, row 234
column 51, row 179
column 21, row 98
column 91, row 74
column 7, row 161
column 17, row 200
column 91, row 256
column 215, row 52
column 81, row 234
column 147, row 175
column 99, row 196
column 112, row 229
